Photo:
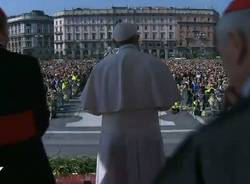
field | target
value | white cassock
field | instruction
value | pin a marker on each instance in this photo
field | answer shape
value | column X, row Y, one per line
column 128, row 89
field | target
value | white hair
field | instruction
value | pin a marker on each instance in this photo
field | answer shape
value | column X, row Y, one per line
column 233, row 22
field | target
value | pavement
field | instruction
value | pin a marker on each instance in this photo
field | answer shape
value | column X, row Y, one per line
column 75, row 133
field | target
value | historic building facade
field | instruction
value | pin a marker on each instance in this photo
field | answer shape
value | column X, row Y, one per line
column 196, row 31
column 32, row 33
column 164, row 32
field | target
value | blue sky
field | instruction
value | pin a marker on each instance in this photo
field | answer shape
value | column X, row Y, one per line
column 13, row 7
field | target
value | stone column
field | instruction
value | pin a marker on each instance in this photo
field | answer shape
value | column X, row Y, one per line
column 158, row 53
column 81, row 53
column 89, row 51
column 166, row 53
column 73, row 53
column 97, row 52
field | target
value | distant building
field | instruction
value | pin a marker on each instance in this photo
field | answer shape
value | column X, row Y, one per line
column 32, row 34
column 165, row 32
column 196, row 31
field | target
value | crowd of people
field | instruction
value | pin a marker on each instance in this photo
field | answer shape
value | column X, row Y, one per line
column 201, row 83
column 132, row 152
column 64, row 79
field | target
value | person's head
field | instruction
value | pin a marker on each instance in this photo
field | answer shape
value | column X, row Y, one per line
column 125, row 33
column 233, row 42
column 133, row 40
column 4, row 38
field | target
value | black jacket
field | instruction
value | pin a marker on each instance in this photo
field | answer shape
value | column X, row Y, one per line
column 218, row 153
column 21, row 90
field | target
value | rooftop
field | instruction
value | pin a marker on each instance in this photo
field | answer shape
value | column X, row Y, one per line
column 33, row 15
column 138, row 10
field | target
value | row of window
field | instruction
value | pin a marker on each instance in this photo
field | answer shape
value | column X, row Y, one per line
column 30, row 31
column 86, row 36
column 109, row 28
column 30, row 28
column 195, row 19
column 197, row 35
column 83, row 46
column 103, row 46
column 85, row 28
column 94, row 36
column 154, row 27
column 81, row 20
column 195, row 28
column 58, row 46
column 29, row 38
column 29, row 44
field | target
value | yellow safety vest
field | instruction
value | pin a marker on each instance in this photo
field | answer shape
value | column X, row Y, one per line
column 64, row 85
column 74, row 77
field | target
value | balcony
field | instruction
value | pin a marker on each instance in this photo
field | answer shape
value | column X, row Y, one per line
column 58, row 33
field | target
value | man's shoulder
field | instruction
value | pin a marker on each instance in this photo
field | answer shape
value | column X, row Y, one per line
column 232, row 126
column 150, row 58
column 30, row 60
column 144, row 55
column 105, row 62
column 224, row 128
column 128, row 58
column 110, row 60
column 227, row 134
column 16, row 58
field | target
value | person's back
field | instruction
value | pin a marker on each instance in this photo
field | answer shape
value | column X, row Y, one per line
column 127, row 89
column 20, row 78
column 220, row 151
column 217, row 153
column 23, row 119
column 224, row 147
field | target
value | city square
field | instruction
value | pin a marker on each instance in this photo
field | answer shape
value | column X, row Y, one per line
column 113, row 93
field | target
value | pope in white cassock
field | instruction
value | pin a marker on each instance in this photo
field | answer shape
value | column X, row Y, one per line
column 128, row 89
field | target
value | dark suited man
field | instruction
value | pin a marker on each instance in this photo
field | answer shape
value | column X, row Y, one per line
column 24, row 117
column 219, row 153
